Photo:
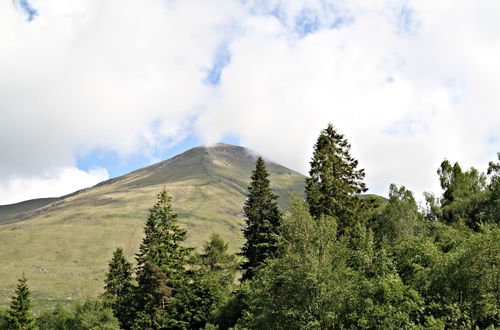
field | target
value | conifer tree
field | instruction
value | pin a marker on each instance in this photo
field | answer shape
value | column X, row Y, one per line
column 118, row 288
column 262, row 221
column 161, row 265
column 19, row 313
column 334, row 183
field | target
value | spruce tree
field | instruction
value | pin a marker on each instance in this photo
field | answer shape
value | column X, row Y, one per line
column 334, row 183
column 118, row 288
column 161, row 266
column 163, row 241
column 19, row 313
column 262, row 221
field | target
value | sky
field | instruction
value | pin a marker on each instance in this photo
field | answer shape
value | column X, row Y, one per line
column 93, row 89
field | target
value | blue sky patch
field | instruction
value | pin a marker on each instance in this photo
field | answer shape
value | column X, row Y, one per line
column 406, row 128
column 117, row 165
column 221, row 60
column 310, row 21
column 28, row 9
column 407, row 22
column 307, row 22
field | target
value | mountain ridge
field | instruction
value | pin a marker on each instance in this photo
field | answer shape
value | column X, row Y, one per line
column 72, row 237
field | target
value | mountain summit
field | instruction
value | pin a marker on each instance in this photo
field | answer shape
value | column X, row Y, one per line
column 63, row 244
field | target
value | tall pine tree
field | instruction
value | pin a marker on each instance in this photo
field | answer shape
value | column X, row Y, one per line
column 262, row 221
column 163, row 241
column 334, row 183
column 19, row 313
column 161, row 266
column 118, row 288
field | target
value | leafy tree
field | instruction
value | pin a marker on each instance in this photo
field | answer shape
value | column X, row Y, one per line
column 93, row 315
column 262, row 221
column 400, row 218
column 464, row 288
column 20, row 307
column 58, row 318
column 90, row 314
column 493, row 202
column 334, row 183
column 118, row 288
column 464, row 194
column 304, row 288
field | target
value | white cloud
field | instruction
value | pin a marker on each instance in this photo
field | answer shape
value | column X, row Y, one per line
column 65, row 181
column 408, row 82
column 408, row 86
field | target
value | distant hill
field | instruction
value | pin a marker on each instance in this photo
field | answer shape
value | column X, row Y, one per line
column 63, row 244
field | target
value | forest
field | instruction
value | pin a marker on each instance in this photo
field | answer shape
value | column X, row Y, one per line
column 335, row 259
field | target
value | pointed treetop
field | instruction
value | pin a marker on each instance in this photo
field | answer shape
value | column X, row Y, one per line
column 335, row 183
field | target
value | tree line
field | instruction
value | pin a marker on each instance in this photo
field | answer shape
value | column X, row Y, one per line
column 334, row 260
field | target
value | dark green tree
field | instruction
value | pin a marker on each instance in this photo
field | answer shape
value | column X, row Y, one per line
column 334, row 183
column 263, row 219
column 118, row 288
column 163, row 241
column 161, row 268
column 20, row 307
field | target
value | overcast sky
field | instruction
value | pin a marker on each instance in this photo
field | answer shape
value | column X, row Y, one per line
column 91, row 89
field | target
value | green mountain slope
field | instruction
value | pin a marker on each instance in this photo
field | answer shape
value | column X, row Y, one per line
column 63, row 244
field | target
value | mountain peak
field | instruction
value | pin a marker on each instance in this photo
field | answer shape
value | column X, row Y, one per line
column 73, row 237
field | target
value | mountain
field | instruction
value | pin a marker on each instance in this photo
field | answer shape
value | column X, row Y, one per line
column 64, row 244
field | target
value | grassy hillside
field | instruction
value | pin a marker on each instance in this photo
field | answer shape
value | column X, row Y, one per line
column 63, row 245
column 23, row 210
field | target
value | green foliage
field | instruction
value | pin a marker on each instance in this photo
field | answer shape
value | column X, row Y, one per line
column 20, row 307
column 493, row 203
column 170, row 293
column 118, row 288
column 262, row 221
column 58, row 319
column 209, row 185
column 4, row 318
column 466, row 282
column 162, row 244
column 218, row 268
column 464, row 194
column 90, row 314
column 334, row 183
column 399, row 218
column 301, row 289
column 319, row 282
column 161, row 267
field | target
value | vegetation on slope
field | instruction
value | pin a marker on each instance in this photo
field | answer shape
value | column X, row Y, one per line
column 64, row 246
column 335, row 261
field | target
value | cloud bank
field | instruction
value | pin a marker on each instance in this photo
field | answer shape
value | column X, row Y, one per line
column 408, row 82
